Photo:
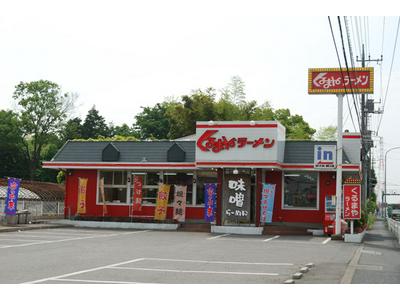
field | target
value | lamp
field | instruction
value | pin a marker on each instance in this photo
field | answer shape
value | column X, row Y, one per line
column 235, row 171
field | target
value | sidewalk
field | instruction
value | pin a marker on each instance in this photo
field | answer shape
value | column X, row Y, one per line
column 379, row 257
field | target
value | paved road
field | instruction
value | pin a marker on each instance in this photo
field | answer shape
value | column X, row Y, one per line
column 71, row 255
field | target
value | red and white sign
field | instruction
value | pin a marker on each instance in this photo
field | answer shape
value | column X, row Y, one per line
column 339, row 81
column 352, row 201
column 137, row 193
column 260, row 141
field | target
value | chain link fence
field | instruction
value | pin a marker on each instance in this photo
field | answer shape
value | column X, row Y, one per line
column 38, row 209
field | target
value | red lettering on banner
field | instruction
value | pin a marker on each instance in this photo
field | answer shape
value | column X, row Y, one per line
column 207, row 142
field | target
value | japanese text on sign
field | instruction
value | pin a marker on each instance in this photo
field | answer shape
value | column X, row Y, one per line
column 210, row 192
column 352, row 203
column 10, row 207
column 162, row 202
column 180, row 202
column 237, row 193
column 207, row 142
column 332, row 81
column 137, row 193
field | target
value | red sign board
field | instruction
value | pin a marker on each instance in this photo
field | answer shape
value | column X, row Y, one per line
column 137, row 193
column 339, row 81
column 352, row 201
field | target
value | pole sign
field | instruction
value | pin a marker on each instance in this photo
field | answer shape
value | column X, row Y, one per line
column 341, row 81
column 10, row 207
column 352, row 201
column 210, row 201
column 237, row 198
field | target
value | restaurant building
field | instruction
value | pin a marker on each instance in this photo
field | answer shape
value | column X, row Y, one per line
column 253, row 174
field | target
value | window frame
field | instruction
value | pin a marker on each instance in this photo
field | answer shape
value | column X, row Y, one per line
column 300, row 208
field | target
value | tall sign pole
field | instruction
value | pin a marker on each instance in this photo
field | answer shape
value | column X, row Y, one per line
column 340, row 81
column 339, row 164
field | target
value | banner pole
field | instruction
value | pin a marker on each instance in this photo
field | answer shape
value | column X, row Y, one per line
column 339, row 165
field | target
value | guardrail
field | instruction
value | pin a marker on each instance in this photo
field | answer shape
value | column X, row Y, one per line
column 394, row 226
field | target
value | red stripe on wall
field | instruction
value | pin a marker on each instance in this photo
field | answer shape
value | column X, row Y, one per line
column 352, row 136
column 238, row 126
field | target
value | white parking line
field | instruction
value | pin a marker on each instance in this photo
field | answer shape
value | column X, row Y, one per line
column 23, row 240
column 72, row 239
column 218, row 236
column 273, row 238
column 219, row 262
column 194, row 271
column 83, row 271
column 93, row 281
column 326, row 241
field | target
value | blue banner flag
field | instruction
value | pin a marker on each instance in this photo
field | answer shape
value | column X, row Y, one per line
column 12, row 196
column 210, row 201
column 267, row 202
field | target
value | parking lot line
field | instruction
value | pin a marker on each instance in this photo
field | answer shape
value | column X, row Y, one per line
column 326, row 241
column 72, row 239
column 194, row 271
column 83, row 271
column 94, row 281
column 219, row 262
column 23, row 240
column 218, row 236
column 273, row 238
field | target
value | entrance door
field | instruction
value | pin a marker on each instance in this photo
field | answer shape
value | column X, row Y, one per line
column 238, row 197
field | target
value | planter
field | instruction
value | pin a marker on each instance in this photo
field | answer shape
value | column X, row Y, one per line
column 354, row 238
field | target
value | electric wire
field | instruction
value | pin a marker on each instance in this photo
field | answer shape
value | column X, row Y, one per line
column 340, row 66
column 348, row 74
column 390, row 76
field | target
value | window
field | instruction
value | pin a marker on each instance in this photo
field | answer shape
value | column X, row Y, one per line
column 300, row 190
column 179, row 179
column 150, row 186
column 202, row 178
column 115, row 184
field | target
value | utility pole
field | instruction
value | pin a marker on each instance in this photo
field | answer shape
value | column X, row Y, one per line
column 367, row 107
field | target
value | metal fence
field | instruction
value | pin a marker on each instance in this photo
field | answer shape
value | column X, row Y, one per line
column 394, row 226
column 38, row 208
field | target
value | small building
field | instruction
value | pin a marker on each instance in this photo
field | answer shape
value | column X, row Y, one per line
column 303, row 174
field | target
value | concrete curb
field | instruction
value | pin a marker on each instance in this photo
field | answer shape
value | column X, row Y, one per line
column 25, row 228
column 237, row 230
column 117, row 225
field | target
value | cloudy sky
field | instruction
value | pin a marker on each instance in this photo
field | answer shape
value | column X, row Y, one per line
column 121, row 55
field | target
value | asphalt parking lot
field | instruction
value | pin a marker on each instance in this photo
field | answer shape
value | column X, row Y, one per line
column 73, row 255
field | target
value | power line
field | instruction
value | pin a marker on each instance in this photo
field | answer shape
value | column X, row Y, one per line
column 348, row 74
column 390, row 75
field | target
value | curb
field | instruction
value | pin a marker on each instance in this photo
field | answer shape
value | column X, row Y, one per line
column 12, row 229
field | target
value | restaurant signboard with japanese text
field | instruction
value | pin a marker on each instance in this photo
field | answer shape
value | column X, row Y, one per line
column 242, row 142
column 160, row 212
column 137, row 193
column 351, row 201
column 210, row 201
column 180, row 202
column 236, row 198
column 341, row 81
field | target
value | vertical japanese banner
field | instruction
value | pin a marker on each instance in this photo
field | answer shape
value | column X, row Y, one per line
column 267, row 203
column 162, row 202
column 137, row 193
column 180, row 202
column 210, row 201
column 82, row 187
column 102, row 195
column 352, row 201
column 10, row 207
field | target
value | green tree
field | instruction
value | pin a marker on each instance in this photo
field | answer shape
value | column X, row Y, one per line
column 234, row 91
column 296, row 127
column 72, row 130
column 94, row 125
column 43, row 107
column 327, row 133
column 123, row 130
column 152, row 122
column 13, row 161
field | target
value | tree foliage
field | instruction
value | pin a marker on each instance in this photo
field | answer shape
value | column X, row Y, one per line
column 43, row 107
column 327, row 133
column 94, row 125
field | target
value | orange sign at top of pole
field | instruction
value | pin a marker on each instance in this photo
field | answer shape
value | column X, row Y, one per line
column 341, row 81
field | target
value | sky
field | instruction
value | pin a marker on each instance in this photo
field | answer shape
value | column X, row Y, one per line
column 123, row 55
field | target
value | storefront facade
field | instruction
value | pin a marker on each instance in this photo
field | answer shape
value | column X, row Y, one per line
column 244, row 161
